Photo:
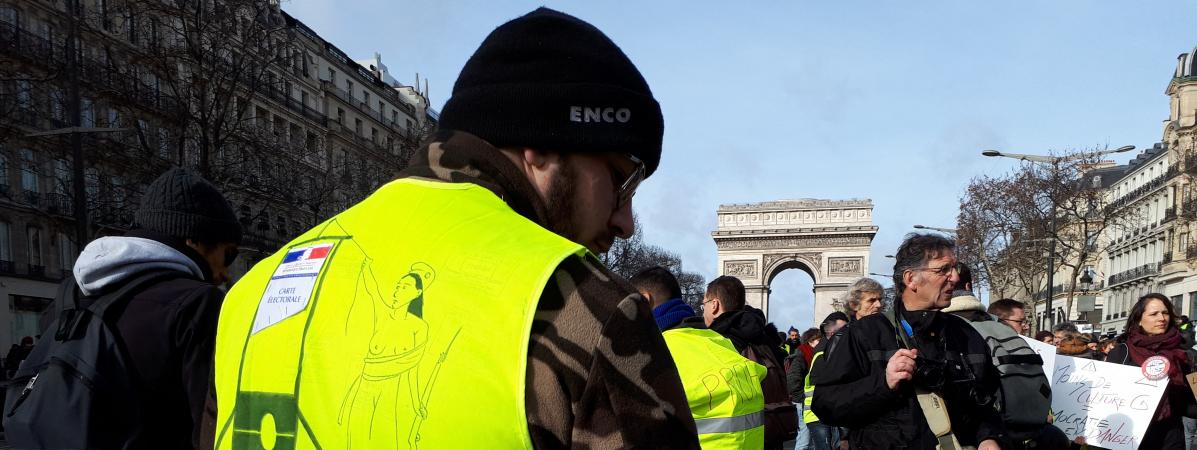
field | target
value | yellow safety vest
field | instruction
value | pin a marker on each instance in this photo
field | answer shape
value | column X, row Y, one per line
column 722, row 387
column 809, row 416
column 402, row 322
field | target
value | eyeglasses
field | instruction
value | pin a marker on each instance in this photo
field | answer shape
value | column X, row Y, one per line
column 1021, row 323
column 628, row 188
column 942, row 271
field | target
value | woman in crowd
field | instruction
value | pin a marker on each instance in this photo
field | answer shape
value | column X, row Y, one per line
column 1151, row 331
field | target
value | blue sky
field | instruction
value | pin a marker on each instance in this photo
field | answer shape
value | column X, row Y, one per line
column 886, row 100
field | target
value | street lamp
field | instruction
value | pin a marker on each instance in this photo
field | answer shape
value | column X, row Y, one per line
column 941, row 230
column 1054, row 161
column 1086, row 281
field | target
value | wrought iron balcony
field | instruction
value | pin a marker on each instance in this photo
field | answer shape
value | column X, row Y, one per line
column 1136, row 273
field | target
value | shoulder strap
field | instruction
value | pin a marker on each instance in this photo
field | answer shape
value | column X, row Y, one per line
column 134, row 285
column 892, row 315
column 71, row 321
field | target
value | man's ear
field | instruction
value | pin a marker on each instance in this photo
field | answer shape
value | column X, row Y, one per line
column 908, row 278
column 648, row 296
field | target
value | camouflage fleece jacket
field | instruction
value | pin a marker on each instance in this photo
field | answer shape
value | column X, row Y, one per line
column 599, row 375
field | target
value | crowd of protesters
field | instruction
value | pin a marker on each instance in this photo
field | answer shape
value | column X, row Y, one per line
column 462, row 306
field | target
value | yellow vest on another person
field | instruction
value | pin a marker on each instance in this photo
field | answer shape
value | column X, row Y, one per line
column 722, row 387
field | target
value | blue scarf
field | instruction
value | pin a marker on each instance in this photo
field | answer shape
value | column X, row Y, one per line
column 671, row 312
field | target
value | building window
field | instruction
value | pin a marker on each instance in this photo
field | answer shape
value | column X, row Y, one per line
column 28, row 171
column 382, row 108
column 357, row 126
column 373, row 135
column 66, row 252
column 341, row 116
column 366, row 97
column 1184, row 240
column 332, row 75
column 62, row 176
column 5, row 242
column 24, row 95
column 1192, row 305
column 303, row 98
column 35, row 246
column 87, row 113
column 3, row 171
column 8, row 15
column 349, row 88
column 26, row 315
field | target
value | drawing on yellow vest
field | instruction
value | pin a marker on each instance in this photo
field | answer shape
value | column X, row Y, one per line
column 375, row 409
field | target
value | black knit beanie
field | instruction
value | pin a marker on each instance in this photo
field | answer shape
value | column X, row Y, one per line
column 183, row 204
column 551, row 81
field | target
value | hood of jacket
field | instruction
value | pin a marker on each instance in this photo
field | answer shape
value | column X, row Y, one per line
column 108, row 261
column 746, row 327
column 671, row 313
column 964, row 301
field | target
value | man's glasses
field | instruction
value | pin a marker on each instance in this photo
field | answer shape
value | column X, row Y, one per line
column 628, row 188
column 941, row 271
column 1021, row 323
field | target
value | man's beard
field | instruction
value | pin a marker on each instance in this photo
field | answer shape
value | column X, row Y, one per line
column 560, row 207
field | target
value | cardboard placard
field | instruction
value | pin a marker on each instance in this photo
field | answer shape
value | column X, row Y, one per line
column 1109, row 404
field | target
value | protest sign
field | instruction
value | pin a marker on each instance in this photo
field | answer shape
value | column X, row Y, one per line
column 1109, row 404
column 1045, row 351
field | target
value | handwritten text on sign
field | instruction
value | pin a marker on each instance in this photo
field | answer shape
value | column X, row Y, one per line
column 1109, row 404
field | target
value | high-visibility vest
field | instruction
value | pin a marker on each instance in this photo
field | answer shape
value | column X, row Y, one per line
column 402, row 322
column 809, row 416
column 722, row 387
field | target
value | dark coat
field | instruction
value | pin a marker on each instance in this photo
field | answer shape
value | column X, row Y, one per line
column 852, row 390
column 168, row 332
column 1167, row 434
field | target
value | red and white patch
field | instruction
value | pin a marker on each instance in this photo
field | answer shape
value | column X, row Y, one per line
column 1156, row 368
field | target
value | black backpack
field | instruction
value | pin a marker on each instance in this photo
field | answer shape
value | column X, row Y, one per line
column 76, row 389
column 1025, row 398
column 780, row 414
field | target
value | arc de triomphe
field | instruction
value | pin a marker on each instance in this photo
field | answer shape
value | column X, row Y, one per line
column 827, row 239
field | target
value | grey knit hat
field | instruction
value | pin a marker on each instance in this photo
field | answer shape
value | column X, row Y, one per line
column 185, row 205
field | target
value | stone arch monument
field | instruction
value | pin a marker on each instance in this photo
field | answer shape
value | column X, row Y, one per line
column 827, row 239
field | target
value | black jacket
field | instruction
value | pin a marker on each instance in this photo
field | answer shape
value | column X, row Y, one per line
column 168, row 332
column 852, row 391
column 796, row 376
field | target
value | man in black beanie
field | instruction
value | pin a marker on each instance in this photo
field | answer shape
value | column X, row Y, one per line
column 549, row 130
column 183, row 226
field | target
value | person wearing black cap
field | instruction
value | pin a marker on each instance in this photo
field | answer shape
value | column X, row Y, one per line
column 185, row 226
column 548, row 132
column 888, row 377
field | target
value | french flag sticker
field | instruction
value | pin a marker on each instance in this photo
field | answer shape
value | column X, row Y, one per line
column 307, row 254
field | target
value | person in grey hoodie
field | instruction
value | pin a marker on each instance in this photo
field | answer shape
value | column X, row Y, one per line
column 183, row 225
